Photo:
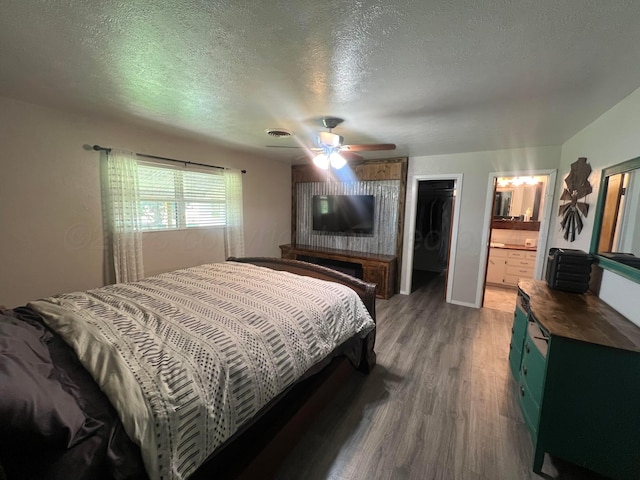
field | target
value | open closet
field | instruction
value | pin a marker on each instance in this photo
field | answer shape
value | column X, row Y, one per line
column 434, row 213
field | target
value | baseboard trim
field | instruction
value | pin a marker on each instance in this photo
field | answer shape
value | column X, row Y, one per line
column 465, row 304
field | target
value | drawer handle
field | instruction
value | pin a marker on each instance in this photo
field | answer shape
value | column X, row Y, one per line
column 521, row 391
column 510, row 346
column 512, row 331
column 526, row 347
column 524, row 370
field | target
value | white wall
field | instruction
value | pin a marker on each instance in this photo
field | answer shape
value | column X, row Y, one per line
column 613, row 138
column 475, row 168
column 51, row 235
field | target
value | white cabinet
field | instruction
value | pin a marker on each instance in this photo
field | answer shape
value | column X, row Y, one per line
column 497, row 267
column 519, row 265
column 507, row 266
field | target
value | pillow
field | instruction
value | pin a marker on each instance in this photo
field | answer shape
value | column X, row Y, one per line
column 33, row 405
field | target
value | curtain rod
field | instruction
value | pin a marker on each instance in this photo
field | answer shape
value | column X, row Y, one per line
column 98, row 148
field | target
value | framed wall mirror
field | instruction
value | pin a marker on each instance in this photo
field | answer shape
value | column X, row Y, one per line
column 616, row 235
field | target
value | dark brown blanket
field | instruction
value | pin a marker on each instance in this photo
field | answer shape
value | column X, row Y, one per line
column 55, row 421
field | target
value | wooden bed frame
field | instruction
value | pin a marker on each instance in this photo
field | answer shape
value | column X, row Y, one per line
column 260, row 449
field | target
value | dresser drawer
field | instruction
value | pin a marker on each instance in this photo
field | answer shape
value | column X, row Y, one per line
column 519, row 328
column 530, row 410
column 515, row 358
column 531, row 256
column 520, row 263
column 498, row 253
column 518, row 334
column 523, row 271
column 534, row 362
column 518, row 266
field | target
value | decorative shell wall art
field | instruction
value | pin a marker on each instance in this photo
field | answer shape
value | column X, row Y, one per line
column 577, row 187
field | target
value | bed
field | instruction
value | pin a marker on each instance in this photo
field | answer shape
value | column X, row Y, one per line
column 175, row 376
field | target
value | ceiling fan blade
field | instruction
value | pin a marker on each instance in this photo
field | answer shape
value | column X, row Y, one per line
column 314, row 149
column 368, row 148
column 351, row 156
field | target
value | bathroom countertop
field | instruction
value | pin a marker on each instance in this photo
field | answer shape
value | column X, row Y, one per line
column 508, row 246
column 515, row 225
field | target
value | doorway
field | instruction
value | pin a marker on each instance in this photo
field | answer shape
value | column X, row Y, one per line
column 519, row 209
column 431, row 235
column 432, row 239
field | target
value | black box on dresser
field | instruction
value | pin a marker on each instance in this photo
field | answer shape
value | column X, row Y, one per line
column 568, row 270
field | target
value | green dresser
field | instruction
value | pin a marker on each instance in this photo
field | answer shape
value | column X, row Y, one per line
column 531, row 374
column 520, row 320
column 576, row 362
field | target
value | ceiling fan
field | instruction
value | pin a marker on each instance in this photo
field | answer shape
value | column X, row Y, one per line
column 333, row 152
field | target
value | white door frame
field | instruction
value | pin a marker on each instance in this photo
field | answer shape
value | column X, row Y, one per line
column 410, row 230
column 543, row 234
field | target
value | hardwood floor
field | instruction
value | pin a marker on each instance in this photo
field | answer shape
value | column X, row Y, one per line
column 500, row 298
column 440, row 404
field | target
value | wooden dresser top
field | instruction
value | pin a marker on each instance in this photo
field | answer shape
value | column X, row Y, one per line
column 337, row 253
column 580, row 317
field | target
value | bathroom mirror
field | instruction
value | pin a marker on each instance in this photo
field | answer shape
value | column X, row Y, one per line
column 502, row 203
column 616, row 234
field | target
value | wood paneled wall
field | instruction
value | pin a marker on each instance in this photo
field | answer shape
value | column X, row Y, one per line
column 366, row 170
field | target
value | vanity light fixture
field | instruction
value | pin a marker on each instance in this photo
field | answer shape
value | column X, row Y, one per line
column 517, row 181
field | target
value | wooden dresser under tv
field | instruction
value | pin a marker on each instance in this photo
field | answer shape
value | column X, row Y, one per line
column 373, row 268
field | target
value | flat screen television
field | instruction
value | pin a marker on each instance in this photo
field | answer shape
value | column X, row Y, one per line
column 343, row 214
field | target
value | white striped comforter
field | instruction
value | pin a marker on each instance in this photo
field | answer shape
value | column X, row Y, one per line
column 188, row 357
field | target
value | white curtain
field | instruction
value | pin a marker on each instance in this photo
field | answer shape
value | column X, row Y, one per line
column 234, row 234
column 123, row 207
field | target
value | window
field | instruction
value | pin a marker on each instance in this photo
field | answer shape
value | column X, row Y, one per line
column 173, row 198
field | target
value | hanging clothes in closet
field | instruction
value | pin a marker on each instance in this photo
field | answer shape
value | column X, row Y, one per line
column 433, row 223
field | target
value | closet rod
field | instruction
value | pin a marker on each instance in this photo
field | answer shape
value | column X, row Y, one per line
column 98, row 148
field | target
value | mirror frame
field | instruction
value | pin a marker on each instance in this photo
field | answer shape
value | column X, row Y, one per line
column 620, row 268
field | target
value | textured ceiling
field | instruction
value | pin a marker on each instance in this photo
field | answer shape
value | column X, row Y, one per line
column 431, row 76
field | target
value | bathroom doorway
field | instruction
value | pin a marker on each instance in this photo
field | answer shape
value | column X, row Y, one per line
column 516, row 231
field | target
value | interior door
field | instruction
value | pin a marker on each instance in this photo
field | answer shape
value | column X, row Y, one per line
column 453, row 209
column 486, row 265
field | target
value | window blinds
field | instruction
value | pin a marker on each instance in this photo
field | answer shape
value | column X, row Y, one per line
column 174, row 198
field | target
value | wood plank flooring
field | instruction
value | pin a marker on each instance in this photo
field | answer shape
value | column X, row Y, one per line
column 500, row 298
column 440, row 404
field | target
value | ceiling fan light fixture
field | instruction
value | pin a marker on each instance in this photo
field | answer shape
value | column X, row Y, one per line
column 337, row 161
column 330, row 140
column 321, row 161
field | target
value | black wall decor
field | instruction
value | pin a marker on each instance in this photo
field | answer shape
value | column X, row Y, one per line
column 577, row 187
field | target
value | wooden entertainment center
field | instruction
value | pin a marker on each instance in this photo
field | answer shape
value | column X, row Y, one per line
column 381, row 269
column 372, row 268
